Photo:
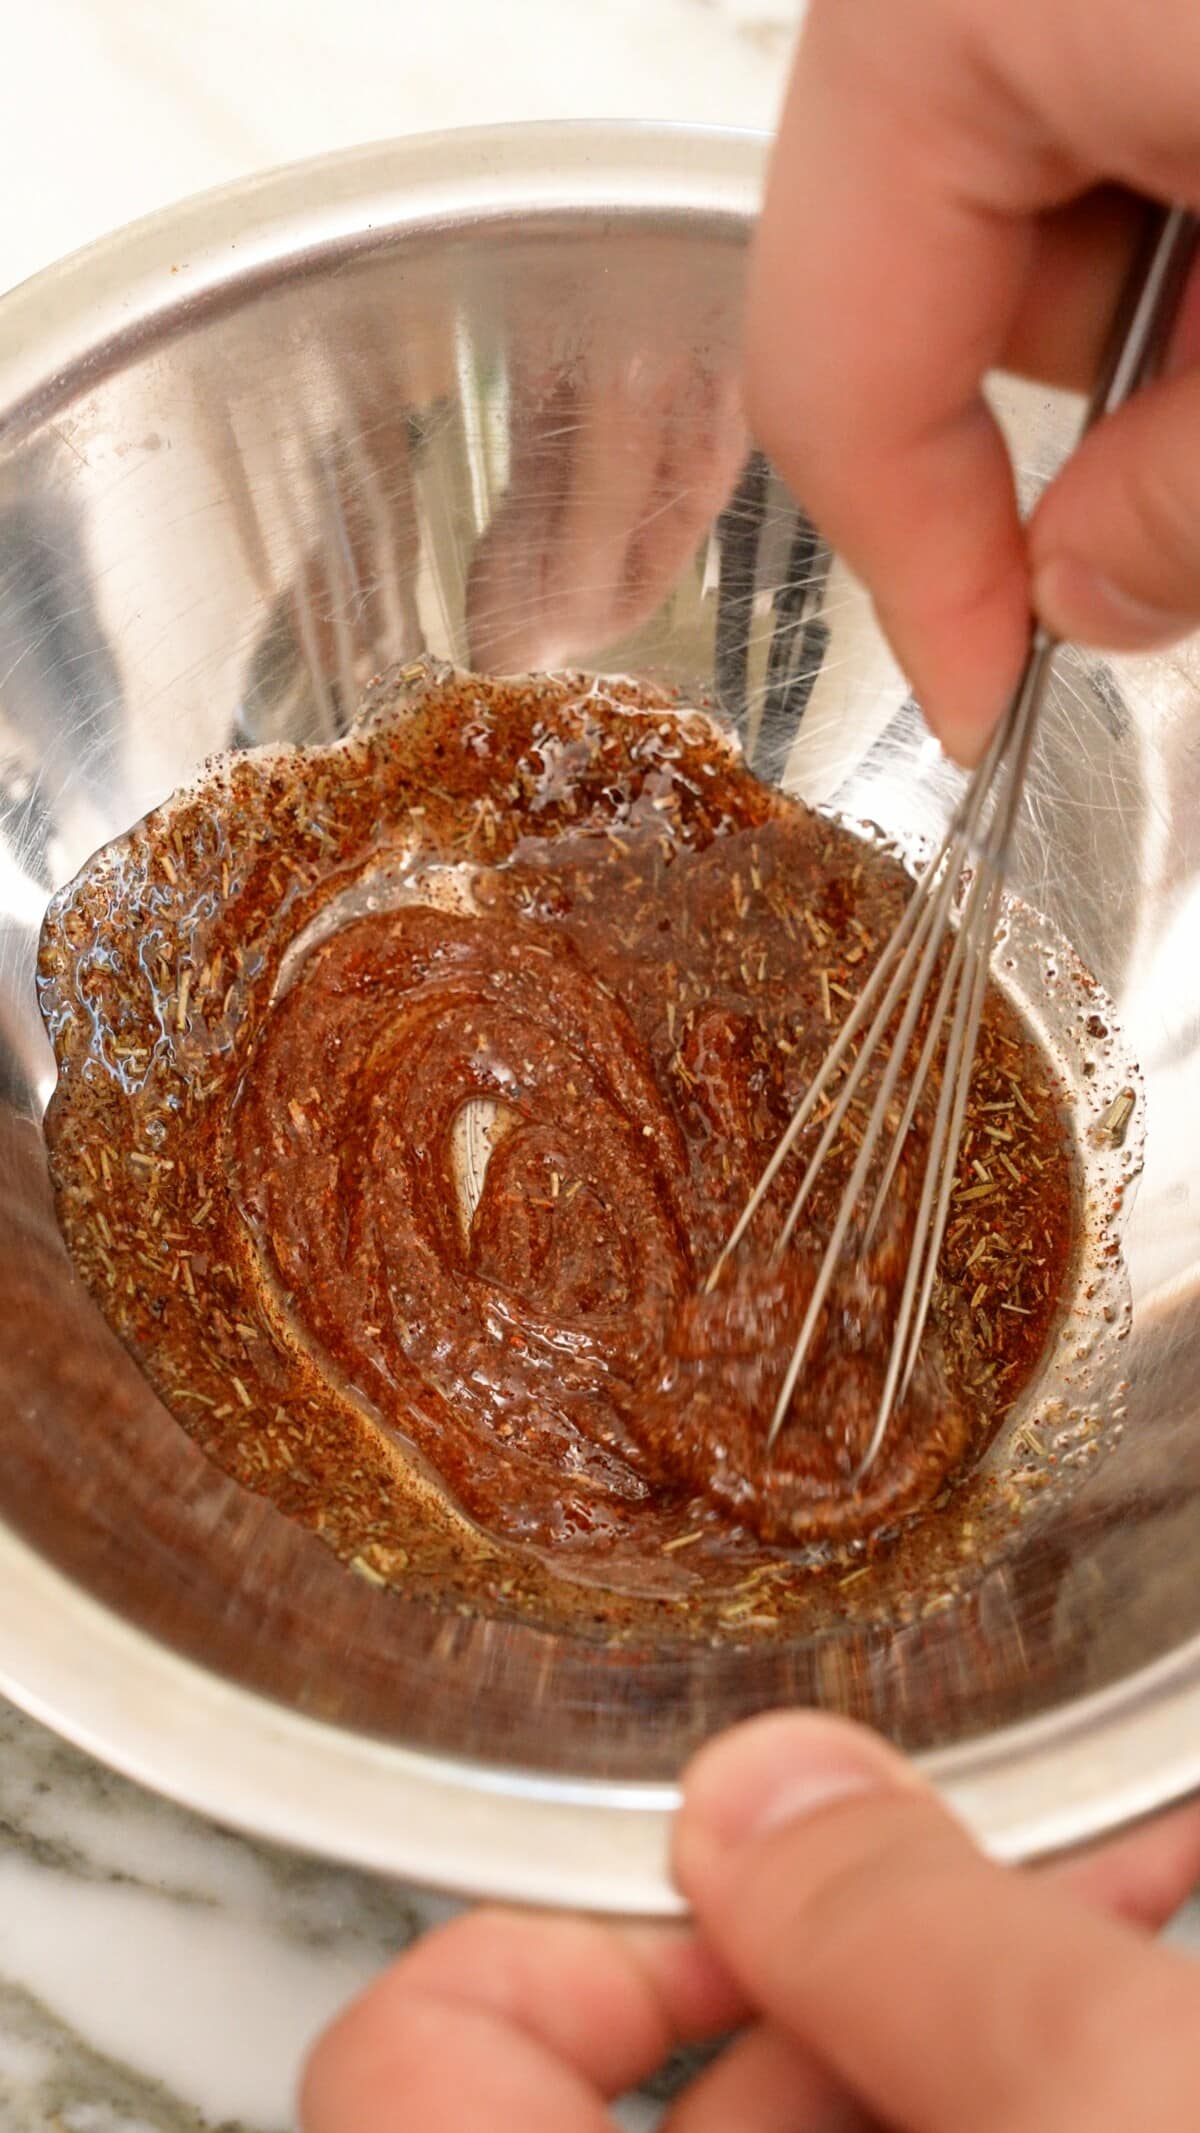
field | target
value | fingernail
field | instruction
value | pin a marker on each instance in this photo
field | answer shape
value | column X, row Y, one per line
column 781, row 1769
column 1074, row 600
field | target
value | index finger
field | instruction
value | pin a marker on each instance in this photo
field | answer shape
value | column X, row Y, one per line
column 887, row 279
column 508, row 2019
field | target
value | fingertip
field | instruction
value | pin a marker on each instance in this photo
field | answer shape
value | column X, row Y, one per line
column 769, row 1771
column 964, row 663
column 1115, row 541
column 1078, row 602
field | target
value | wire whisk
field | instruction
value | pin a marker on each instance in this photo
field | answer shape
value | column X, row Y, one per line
column 941, row 949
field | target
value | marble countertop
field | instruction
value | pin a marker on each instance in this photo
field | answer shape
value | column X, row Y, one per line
column 158, row 1975
column 110, row 108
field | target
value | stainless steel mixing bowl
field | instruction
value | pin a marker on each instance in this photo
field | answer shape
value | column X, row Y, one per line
column 476, row 395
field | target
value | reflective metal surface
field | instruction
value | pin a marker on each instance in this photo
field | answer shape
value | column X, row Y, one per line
column 477, row 396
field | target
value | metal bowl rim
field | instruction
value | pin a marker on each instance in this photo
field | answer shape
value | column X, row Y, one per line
column 1031, row 1789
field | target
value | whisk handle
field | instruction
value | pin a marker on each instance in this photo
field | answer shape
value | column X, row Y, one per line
column 1147, row 310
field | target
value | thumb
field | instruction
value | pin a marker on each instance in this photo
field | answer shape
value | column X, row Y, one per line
column 1115, row 544
column 938, row 1989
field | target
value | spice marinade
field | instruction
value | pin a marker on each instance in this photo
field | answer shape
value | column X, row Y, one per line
column 558, row 926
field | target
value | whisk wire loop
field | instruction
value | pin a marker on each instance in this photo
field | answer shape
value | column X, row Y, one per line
column 949, row 922
column 983, row 824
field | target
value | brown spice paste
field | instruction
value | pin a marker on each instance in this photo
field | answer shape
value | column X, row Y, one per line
column 410, row 1087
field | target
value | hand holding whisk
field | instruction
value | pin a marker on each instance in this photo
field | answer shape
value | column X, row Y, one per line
column 941, row 950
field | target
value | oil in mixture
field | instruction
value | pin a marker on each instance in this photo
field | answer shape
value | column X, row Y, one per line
column 410, row 1087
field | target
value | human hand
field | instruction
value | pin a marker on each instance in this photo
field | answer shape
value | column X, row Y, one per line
column 882, row 1974
column 951, row 193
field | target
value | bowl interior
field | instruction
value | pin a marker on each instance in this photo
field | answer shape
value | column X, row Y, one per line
column 504, row 429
